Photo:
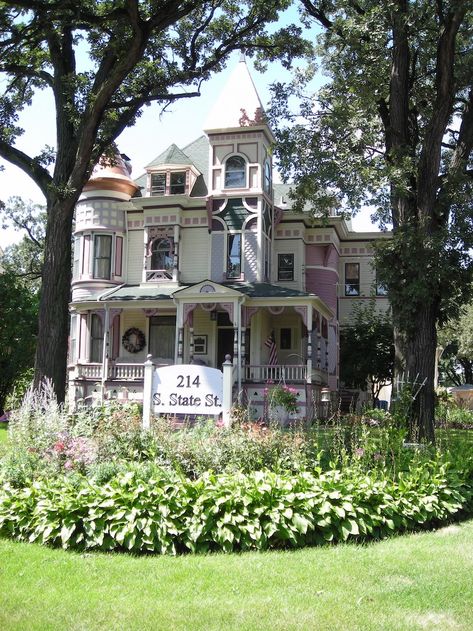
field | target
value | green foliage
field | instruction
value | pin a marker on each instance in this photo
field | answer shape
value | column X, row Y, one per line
column 367, row 349
column 391, row 128
column 455, row 338
column 161, row 512
column 25, row 259
column 18, row 329
column 282, row 395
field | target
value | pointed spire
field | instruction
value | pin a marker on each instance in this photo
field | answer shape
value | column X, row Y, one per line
column 239, row 104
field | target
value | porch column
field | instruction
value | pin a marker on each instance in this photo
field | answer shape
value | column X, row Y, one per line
column 180, row 345
column 191, row 342
column 106, row 337
column 319, row 348
column 309, row 345
column 175, row 262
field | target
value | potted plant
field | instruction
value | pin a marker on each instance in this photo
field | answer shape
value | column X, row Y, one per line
column 282, row 402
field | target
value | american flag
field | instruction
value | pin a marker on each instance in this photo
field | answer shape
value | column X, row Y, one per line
column 273, row 352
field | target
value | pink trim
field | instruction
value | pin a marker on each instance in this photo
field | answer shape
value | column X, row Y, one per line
column 248, row 313
column 303, row 312
column 86, row 256
column 188, row 308
column 118, row 256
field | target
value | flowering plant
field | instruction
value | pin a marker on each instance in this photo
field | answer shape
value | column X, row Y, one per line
column 282, row 395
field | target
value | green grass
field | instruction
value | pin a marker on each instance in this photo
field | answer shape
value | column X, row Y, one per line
column 420, row 581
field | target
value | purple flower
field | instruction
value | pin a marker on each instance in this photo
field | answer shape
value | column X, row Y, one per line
column 359, row 452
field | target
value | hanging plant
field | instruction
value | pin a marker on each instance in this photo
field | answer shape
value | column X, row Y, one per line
column 133, row 340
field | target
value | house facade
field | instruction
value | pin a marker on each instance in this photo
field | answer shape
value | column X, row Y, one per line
column 202, row 258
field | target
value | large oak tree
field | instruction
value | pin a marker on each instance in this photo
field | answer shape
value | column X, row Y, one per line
column 393, row 128
column 138, row 51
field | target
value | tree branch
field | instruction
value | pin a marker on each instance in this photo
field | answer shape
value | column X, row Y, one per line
column 27, row 164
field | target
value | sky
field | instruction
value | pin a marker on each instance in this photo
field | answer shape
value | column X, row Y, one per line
column 154, row 131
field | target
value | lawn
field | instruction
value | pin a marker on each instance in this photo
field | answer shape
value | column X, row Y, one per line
column 420, row 581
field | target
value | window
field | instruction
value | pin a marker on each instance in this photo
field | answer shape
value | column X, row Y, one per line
column 158, row 183
column 173, row 183
column 352, row 279
column 178, row 183
column 234, row 256
column 285, row 266
column 73, row 340
column 235, row 172
column 96, row 338
column 161, row 255
column 102, row 256
column 285, row 339
column 381, row 290
column 76, row 266
column 267, row 176
column 162, row 336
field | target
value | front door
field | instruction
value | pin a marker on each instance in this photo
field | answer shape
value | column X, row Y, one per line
column 224, row 345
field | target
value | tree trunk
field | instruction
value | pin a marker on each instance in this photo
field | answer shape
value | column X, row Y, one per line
column 420, row 365
column 52, row 347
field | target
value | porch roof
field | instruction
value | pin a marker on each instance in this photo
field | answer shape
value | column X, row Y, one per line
column 140, row 292
column 266, row 290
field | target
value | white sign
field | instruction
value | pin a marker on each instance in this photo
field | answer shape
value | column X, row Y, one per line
column 187, row 389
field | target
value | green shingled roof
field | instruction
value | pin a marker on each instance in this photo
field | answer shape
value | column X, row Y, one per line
column 137, row 292
column 171, row 155
column 266, row 290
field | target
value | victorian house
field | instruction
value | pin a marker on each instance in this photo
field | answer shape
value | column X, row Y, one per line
column 202, row 257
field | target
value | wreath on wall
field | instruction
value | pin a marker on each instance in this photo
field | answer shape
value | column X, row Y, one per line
column 133, row 340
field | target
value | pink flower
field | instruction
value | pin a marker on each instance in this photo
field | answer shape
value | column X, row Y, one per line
column 59, row 446
column 359, row 452
column 68, row 464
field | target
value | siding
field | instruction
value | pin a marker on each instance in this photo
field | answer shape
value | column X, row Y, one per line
column 323, row 283
column 135, row 257
column 194, row 253
column 250, row 257
column 217, row 256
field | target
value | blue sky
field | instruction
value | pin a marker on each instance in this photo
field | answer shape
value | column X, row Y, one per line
column 154, row 131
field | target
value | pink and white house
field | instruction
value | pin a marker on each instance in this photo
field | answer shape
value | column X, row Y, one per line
column 202, row 257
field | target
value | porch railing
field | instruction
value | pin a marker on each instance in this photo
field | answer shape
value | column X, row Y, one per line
column 252, row 373
column 126, row 372
column 290, row 372
column 118, row 372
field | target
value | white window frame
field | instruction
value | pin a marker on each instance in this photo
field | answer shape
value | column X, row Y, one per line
column 245, row 172
column 112, row 255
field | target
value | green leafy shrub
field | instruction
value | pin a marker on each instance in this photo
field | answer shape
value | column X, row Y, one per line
column 147, row 509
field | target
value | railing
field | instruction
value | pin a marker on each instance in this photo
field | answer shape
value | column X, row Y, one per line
column 290, row 372
column 126, row 372
column 89, row 371
column 119, row 372
column 157, row 275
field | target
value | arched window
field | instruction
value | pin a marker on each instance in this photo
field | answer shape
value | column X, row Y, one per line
column 235, row 172
column 161, row 254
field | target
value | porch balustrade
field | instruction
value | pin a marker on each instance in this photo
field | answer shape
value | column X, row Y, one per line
column 117, row 372
column 289, row 372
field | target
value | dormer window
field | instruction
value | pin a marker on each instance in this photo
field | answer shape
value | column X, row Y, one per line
column 235, row 172
column 178, row 183
column 158, row 183
column 168, row 183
